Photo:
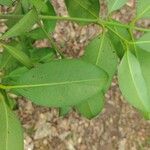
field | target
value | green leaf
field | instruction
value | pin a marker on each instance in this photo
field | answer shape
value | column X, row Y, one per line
column 8, row 63
column 132, row 83
column 11, row 137
column 61, row 83
column 144, row 59
column 6, row 2
column 45, row 8
column 83, row 9
column 117, row 36
column 144, row 42
column 63, row 111
column 116, row 41
column 25, row 5
column 143, row 9
column 92, row 106
column 42, row 54
column 100, row 52
column 40, row 5
column 19, row 55
column 118, row 44
column 14, row 75
column 115, row 4
column 22, row 26
column 17, row 11
column 36, row 34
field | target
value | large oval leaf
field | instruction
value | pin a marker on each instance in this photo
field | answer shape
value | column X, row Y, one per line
column 92, row 106
column 61, row 83
column 132, row 83
column 11, row 136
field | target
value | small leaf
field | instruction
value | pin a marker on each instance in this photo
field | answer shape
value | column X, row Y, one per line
column 92, row 106
column 61, row 83
column 115, row 4
column 6, row 2
column 132, row 83
column 11, row 137
column 19, row 55
column 144, row 42
column 83, row 9
column 22, row 26
column 143, row 9
column 100, row 52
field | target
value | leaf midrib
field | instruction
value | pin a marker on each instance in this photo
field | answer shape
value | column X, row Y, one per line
column 100, row 48
column 134, row 82
column 49, row 84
